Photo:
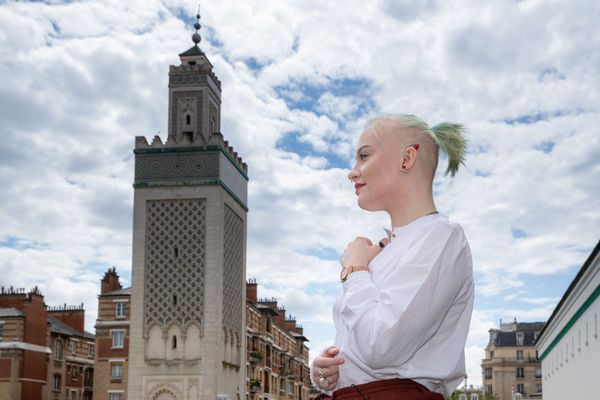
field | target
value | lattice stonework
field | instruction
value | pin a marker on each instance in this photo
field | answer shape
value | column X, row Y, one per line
column 175, row 263
column 233, row 274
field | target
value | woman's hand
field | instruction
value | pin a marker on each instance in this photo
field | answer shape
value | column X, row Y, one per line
column 326, row 365
column 360, row 251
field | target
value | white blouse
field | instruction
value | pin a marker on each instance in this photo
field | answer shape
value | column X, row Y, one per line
column 409, row 316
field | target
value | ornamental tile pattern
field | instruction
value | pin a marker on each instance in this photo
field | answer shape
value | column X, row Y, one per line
column 175, row 263
column 233, row 274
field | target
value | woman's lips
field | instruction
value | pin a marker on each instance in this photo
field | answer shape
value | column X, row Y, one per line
column 357, row 186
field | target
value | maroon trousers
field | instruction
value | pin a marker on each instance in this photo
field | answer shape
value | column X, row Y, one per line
column 388, row 389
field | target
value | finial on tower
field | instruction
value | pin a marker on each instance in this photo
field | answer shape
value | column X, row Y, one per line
column 196, row 36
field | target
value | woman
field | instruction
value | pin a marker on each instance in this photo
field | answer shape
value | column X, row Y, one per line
column 403, row 316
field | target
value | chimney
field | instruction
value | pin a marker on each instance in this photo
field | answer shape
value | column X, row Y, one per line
column 251, row 290
column 280, row 318
column 290, row 324
column 74, row 316
column 110, row 282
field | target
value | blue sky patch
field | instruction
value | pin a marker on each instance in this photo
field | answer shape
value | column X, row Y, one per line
column 546, row 146
column 537, row 117
column 324, row 253
column 305, row 95
column 292, row 142
column 253, row 64
column 518, row 233
column 551, row 73
column 13, row 242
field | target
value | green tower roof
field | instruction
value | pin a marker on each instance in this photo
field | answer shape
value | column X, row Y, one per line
column 192, row 51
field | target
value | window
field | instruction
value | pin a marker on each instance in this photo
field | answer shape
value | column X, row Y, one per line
column 91, row 351
column 73, row 395
column 474, row 396
column 174, row 342
column 520, row 373
column 73, row 346
column 116, row 371
column 491, row 354
column 538, row 372
column 120, row 309
column 521, row 388
column 74, row 372
column 291, row 387
column 56, row 383
column 114, row 396
column 520, row 337
column 118, row 339
column 58, row 348
column 1, row 329
column 538, row 388
column 488, row 373
column 519, row 355
column 488, row 389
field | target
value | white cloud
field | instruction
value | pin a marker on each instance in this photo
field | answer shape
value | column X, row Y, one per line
column 79, row 80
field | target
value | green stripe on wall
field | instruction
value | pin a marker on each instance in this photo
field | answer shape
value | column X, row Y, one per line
column 590, row 300
column 208, row 182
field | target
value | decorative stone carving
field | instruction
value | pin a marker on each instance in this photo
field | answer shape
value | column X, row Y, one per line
column 180, row 102
column 175, row 263
column 181, row 166
column 233, row 269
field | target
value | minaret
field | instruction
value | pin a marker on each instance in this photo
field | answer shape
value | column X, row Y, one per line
column 187, row 334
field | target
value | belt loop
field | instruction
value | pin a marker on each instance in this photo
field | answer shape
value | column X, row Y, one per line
column 359, row 392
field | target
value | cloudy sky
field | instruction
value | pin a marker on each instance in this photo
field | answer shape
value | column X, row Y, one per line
column 79, row 80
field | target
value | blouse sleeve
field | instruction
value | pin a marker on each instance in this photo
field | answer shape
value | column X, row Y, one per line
column 388, row 324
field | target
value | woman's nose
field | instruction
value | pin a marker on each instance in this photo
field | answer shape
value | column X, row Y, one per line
column 354, row 174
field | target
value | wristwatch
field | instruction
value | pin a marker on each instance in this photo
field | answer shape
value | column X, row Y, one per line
column 346, row 271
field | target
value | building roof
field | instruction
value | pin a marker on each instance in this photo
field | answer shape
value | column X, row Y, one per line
column 588, row 263
column 192, row 51
column 10, row 312
column 119, row 292
column 507, row 335
column 58, row 326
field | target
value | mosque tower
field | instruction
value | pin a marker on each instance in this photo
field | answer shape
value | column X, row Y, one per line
column 187, row 332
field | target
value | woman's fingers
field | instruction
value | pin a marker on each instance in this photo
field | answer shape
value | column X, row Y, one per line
column 324, row 362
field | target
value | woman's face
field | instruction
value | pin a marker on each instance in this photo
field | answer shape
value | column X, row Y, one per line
column 376, row 171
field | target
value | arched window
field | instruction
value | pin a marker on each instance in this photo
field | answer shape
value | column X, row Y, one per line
column 174, row 342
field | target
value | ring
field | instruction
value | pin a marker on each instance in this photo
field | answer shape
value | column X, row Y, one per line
column 323, row 380
column 321, row 373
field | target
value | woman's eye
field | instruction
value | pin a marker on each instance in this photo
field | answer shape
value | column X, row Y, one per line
column 362, row 156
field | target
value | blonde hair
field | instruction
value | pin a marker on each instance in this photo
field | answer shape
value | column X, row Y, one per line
column 447, row 136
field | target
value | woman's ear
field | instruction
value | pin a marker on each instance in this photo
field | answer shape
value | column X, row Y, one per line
column 409, row 158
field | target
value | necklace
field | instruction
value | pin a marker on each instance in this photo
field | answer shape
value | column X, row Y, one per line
column 390, row 232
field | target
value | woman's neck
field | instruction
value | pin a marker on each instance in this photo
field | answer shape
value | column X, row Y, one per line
column 410, row 209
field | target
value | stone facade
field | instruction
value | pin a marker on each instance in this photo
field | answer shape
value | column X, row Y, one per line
column 277, row 366
column 187, row 326
column 276, row 356
column 511, row 369
column 44, row 351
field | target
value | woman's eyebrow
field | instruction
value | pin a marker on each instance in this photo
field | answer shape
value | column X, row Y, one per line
column 361, row 148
